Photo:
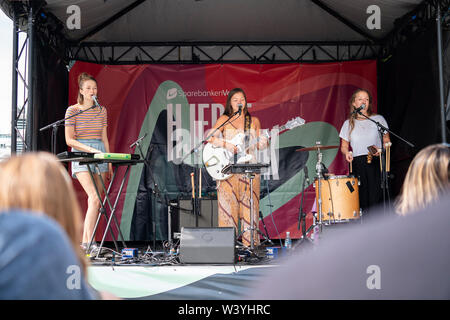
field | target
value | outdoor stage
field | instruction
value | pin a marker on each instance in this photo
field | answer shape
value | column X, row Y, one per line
column 157, row 275
column 177, row 282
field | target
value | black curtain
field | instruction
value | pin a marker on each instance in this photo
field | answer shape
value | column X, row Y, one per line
column 51, row 78
column 408, row 97
column 172, row 183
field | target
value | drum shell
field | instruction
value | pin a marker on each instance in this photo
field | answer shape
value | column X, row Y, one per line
column 340, row 198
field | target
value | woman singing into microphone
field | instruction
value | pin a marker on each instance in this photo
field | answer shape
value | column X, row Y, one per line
column 87, row 132
column 233, row 194
column 360, row 133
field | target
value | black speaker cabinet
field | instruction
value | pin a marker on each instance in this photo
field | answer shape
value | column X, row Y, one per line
column 207, row 217
column 207, row 245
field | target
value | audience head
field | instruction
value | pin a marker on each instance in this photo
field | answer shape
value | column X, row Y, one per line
column 38, row 182
column 426, row 180
column 37, row 261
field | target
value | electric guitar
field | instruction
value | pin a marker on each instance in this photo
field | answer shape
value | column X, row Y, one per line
column 216, row 158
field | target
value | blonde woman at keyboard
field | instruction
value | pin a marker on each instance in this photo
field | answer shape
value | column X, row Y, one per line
column 87, row 132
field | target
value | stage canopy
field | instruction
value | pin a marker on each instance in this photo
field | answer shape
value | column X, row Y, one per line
column 388, row 36
column 232, row 20
column 209, row 31
column 198, row 31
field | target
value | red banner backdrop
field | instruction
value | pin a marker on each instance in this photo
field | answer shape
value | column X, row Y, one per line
column 319, row 93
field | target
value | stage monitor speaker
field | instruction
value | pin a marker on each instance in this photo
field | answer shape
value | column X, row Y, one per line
column 208, row 245
column 207, row 217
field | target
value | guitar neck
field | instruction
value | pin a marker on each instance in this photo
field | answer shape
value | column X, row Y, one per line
column 256, row 140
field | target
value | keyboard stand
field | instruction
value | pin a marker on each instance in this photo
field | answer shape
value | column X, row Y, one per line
column 116, row 164
column 103, row 209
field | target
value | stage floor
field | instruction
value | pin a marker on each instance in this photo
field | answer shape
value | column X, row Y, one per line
column 177, row 282
column 168, row 279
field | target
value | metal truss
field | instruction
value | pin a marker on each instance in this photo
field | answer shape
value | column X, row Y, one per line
column 221, row 52
column 28, row 21
column 21, row 132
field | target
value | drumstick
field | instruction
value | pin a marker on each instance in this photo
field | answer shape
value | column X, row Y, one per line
column 389, row 156
column 200, row 184
column 192, row 184
column 386, row 145
column 390, row 145
column 381, row 160
column 351, row 169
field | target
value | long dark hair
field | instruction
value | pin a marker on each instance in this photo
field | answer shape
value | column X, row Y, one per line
column 229, row 109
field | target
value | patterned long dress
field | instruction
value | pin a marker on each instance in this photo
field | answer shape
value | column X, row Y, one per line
column 233, row 195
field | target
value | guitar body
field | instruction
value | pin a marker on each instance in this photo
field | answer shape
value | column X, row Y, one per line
column 216, row 158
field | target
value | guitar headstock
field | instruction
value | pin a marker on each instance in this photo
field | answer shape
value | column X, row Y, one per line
column 296, row 122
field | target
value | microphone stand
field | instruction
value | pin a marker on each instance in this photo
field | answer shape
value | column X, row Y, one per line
column 195, row 149
column 384, row 176
column 155, row 189
column 55, row 125
column 302, row 214
column 156, row 192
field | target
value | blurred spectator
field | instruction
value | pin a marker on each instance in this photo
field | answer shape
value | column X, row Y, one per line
column 427, row 179
column 387, row 259
column 36, row 260
column 37, row 182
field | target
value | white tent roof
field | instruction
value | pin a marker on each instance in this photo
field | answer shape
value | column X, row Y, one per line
column 228, row 20
column 212, row 31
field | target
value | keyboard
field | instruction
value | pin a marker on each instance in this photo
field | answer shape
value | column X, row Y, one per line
column 67, row 155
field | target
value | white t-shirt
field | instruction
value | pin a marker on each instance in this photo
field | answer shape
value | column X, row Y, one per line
column 364, row 134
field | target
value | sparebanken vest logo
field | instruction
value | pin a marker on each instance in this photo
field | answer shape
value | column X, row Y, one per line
column 171, row 93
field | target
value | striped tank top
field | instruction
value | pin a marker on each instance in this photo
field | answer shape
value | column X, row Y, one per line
column 89, row 124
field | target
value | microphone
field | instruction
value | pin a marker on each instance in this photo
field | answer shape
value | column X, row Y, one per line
column 240, row 108
column 357, row 110
column 305, row 169
column 324, row 171
column 96, row 102
column 138, row 141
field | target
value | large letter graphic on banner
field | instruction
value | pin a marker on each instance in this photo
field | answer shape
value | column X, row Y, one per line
column 164, row 96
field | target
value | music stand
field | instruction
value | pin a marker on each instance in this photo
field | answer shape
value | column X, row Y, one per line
column 249, row 169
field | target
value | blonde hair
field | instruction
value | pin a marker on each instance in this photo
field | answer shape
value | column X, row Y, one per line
column 427, row 179
column 82, row 78
column 38, row 182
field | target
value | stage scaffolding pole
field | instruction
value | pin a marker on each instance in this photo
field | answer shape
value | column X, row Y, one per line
column 15, row 67
column 29, row 140
column 441, row 75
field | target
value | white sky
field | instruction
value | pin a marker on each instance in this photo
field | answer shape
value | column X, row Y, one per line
column 6, row 33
